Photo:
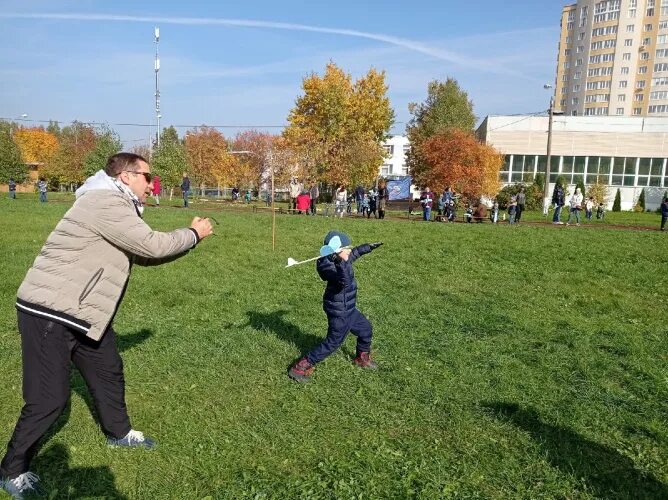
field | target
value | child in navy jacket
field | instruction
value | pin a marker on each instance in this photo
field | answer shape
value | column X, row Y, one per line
column 340, row 304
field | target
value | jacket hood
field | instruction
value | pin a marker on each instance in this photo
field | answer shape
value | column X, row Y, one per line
column 96, row 182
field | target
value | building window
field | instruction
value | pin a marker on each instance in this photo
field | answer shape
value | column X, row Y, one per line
column 386, row 169
column 640, row 84
column 621, row 97
column 626, row 56
column 625, row 70
column 648, row 27
column 581, row 36
column 620, row 111
column 658, row 108
column 624, row 171
column 661, row 67
column 623, row 84
column 576, row 88
column 639, row 97
column 628, row 42
column 567, row 52
column 578, row 62
column 642, row 70
column 637, row 111
column 389, row 150
column 630, row 28
column 661, row 53
column 644, row 56
column 575, row 101
column 658, row 95
column 577, row 74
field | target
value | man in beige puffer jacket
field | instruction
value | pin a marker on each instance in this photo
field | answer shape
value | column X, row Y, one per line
column 67, row 302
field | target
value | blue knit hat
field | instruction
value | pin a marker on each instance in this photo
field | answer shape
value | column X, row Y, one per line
column 345, row 239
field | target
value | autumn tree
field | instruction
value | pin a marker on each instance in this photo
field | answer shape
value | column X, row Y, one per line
column 455, row 158
column 337, row 127
column 36, row 145
column 260, row 146
column 11, row 165
column 76, row 142
column 204, row 149
column 447, row 107
column 107, row 143
column 169, row 159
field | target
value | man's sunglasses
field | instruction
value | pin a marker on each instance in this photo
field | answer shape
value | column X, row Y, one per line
column 148, row 176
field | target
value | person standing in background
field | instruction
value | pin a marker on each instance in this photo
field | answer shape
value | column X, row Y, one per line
column 42, row 186
column 12, row 188
column 185, row 189
column 156, row 189
column 315, row 193
column 521, row 203
column 427, row 201
column 383, row 197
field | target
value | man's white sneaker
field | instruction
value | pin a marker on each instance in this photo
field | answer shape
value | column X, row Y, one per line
column 20, row 486
column 133, row 439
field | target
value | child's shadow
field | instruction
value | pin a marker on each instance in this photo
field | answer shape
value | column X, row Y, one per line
column 283, row 329
column 60, row 481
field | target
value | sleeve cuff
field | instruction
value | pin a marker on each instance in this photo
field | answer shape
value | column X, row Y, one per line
column 195, row 236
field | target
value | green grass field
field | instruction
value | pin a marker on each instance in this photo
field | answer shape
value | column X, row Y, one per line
column 516, row 362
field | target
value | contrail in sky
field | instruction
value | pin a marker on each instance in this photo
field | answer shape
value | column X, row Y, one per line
column 440, row 54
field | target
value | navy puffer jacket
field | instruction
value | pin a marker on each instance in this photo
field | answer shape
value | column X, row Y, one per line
column 340, row 298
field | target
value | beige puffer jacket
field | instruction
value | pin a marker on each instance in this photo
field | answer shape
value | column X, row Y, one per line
column 79, row 277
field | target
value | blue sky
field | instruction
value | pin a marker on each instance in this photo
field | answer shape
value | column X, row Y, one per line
column 242, row 63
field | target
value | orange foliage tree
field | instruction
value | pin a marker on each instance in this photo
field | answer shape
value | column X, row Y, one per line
column 256, row 163
column 205, row 148
column 76, row 142
column 36, row 144
column 455, row 158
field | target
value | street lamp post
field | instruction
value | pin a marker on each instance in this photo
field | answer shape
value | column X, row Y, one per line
column 546, row 194
column 551, row 112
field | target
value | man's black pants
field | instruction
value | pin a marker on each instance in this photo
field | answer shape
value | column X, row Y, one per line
column 48, row 348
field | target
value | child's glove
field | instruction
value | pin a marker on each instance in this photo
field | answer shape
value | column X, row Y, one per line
column 373, row 246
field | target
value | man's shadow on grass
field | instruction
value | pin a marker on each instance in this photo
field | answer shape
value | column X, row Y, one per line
column 283, row 329
column 61, row 481
column 606, row 472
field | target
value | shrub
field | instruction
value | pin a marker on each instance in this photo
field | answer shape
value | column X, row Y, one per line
column 617, row 205
column 641, row 200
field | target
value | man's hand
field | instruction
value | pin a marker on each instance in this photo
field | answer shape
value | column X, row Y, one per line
column 202, row 226
column 373, row 246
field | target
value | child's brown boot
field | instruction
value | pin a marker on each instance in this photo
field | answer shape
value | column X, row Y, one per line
column 301, row 371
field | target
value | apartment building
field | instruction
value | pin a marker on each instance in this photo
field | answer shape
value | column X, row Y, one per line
column 613, row 58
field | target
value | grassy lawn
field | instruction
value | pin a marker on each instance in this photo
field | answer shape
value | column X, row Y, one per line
column 516, row 362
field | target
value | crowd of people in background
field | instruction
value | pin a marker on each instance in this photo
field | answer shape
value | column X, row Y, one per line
column 372, row 201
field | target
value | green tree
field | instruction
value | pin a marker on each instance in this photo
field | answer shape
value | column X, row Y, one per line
column 11, row 165
column 641, row 200
column 107, row 143
column 169, row 159
column 617, row 204
column 447, row 106
column 580, row 184
column 54, row 128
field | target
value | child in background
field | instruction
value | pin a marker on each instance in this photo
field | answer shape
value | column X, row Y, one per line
column 589, row 207
column 600, row 212
column 365, row 204
column 340, row 305
column 512, row 209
